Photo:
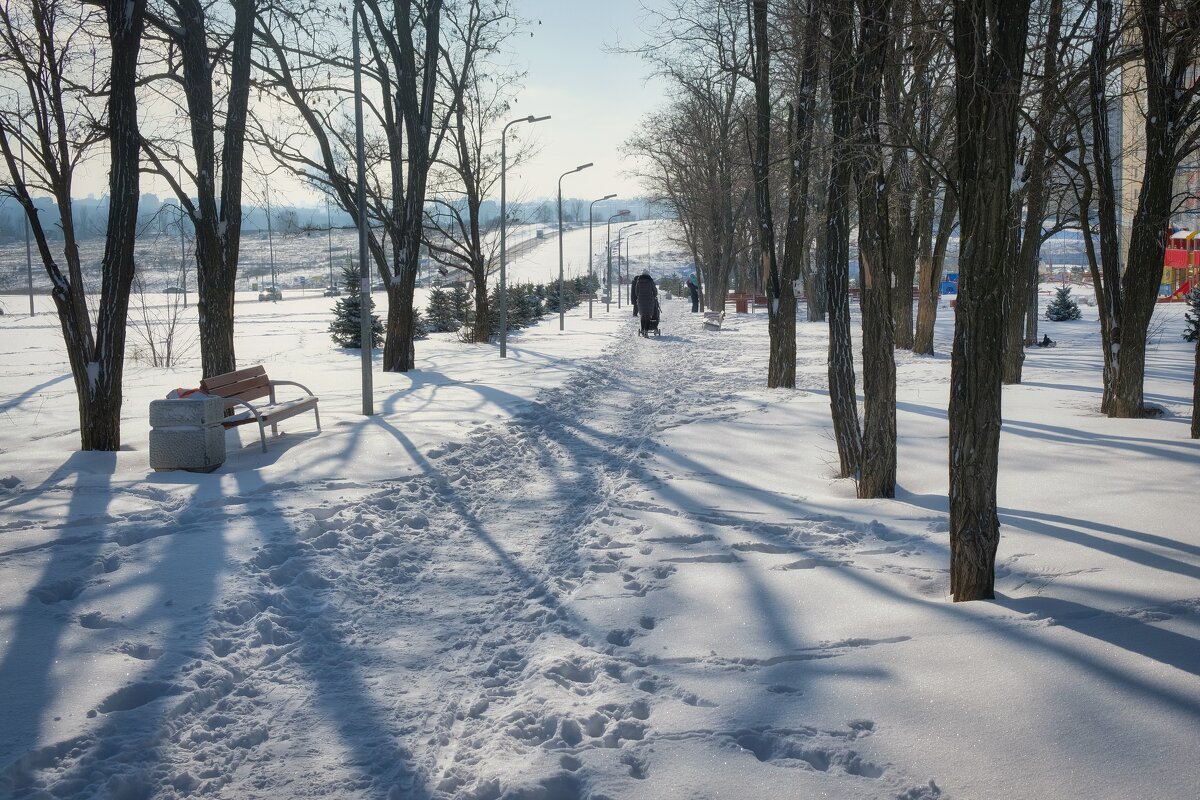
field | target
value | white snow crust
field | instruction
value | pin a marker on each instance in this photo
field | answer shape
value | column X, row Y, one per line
column 606, row 567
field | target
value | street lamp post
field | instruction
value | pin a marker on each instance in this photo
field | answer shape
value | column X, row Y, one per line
column 366, row 333
column 271, row 248
column 183, row 256
column 562, row 312
column 329, row 240
column 591, row 252
column 608, row 252
column 620, row 235
column 504, row 229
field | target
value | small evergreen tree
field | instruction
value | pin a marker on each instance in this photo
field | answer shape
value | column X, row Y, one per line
column 672, row 283
column 1191, row 320
column 442, row 316
column 461, row 301
column 346, row 327
column 1063, row 307
column 524, row 307
column 570, row 296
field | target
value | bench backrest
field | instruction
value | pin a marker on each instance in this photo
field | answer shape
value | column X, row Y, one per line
column 250, row 383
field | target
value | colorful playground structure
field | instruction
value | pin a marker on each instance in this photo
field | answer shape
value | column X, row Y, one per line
column 1181, row 265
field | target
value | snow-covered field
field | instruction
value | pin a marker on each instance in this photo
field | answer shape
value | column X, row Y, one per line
column 605, row 567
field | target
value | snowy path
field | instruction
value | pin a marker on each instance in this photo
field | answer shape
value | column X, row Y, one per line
column 471, row 631
column 643, row 584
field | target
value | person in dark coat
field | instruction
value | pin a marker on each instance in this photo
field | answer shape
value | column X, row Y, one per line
column 643, row 294
column 694, row 289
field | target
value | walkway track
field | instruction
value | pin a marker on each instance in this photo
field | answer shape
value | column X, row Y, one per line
column 431, row 640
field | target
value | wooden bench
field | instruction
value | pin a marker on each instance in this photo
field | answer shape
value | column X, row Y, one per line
column 854, row 293
column 245, row 385
column 742, row 300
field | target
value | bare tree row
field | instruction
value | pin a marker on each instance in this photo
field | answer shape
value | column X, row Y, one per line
column 191, row 90
column 899, row 123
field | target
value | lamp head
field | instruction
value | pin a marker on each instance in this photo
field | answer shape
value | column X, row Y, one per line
column 532, row 118
column 609, row 196
column 582, row 167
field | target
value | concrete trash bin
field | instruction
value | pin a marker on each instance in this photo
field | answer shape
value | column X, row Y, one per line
column 187, row 433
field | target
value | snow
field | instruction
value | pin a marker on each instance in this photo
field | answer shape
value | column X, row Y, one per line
column 605, row 567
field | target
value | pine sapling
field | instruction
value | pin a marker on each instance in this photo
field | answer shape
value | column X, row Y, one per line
column 1063, row 307
column 346, row 326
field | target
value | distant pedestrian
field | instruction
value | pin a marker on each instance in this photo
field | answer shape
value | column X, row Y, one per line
column 643, row 294
column 633, row 289
column 695, row 291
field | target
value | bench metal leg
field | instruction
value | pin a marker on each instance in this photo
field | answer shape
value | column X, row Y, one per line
column 262, row 435
column 317, row 414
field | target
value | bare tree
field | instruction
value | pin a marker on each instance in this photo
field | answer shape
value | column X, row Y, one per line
column 305, row 68
column 1168, row 38
column 842, row 394
column 158, row 326
column 575, row 209
column 206, row 57
column 781, row 367
column 695, row 149
column 989, row 49
column 51, row 51
column 804, row 29
column 480, row 91
column 877, row 472
column 1036, row 190
column 688, row 157
column 926, row 126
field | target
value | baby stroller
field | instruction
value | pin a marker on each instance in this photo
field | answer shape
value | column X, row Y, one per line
column 650, row 322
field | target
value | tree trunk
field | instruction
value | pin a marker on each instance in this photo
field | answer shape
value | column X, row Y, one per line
column 930, row 279
column 901, row 256
column 843, row 398
column 800, row 141
column 989, row 45
column 218, row 227
column 1023, row 290
column 100, row 413
column 815, row 280
column 483, row 331
column 1168, row 54
column 923, row 226
column 909, row 106
column 1139, row 284
column 877, row 472
column 1196, row 395
column 409, row 114
column 215, row 308
column 1014, row 296
column 781, row 363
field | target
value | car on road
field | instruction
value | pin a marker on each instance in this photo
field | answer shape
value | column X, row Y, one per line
column 333, row 291
column 173, row 290
column 270, row 293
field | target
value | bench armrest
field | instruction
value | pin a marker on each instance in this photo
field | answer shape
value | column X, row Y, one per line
column 292, row 383
column 235, row 401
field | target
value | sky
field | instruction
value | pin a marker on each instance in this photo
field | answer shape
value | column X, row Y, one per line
column 596, row 97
